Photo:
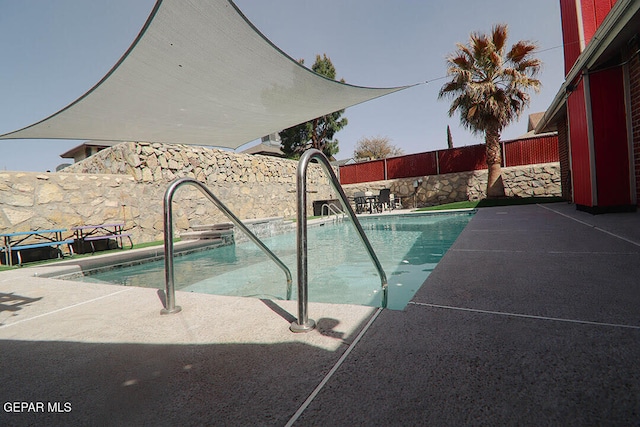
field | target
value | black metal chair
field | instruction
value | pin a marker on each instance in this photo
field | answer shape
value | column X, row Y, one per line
column 395, row 202
column 384, row 200
column 360, row 200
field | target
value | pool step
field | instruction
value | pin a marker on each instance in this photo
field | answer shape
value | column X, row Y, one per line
column 222, row 232
column 207, row 227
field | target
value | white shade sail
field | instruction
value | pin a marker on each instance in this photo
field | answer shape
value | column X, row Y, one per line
column 199, row 73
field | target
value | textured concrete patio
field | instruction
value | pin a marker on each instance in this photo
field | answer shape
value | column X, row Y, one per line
column 531, row 318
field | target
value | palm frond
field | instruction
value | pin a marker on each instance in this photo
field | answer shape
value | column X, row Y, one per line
column 496, row 59
column 460, row 62
column 499, row 35
column 464, row 50
column 520, row 51
column 480, row 45
column 530, row 66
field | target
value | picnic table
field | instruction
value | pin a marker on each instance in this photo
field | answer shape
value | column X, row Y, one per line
column 92, row 233
column 21, row 240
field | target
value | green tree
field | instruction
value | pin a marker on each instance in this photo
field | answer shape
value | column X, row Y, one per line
column 378, row 147
column 489, row 88
column 317, row 133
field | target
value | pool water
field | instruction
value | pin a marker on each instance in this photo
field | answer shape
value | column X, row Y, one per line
column 339, row 267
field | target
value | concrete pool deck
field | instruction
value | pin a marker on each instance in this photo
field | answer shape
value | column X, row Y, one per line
column 531, row 318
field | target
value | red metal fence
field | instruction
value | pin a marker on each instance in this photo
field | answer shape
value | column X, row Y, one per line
column 420, row 164
column 364, row 172
column 462, row 159
column 542, row 149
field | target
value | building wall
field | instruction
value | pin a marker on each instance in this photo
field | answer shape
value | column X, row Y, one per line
column 572, row 34
column 611, row 148
column 580, row 150
column 634, row 91
column 580, row 20
column 565, row 162
column 593, row 13
column 597, row 115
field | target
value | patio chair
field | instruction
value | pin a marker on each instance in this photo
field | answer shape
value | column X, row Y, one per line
column 384, row 200
column 393, row 202
column 370, row 201
column 360, row 200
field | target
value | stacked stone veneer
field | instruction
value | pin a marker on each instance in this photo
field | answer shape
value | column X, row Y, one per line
column 523, row 181
column 127, row 183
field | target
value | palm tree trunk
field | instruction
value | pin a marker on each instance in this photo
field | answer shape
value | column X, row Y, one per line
column 495, row 186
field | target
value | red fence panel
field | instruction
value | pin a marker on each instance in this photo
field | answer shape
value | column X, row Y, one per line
column 421, row 164
column 362, row 172
column 470, row 158
column 543, row 149
column 348, row 174
column 530, row 151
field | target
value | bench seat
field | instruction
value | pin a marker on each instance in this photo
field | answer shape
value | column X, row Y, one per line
column 8, row 250
column 93, row 238
column 38, row 245
column 107, row 236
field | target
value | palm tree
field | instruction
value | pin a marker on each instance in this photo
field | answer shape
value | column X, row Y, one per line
column 489, row 89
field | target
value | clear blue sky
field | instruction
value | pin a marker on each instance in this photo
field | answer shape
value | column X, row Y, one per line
column 54, row 51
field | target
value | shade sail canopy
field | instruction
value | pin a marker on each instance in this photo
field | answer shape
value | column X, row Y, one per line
column 199, row 73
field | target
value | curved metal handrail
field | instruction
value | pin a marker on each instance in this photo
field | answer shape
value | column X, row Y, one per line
column 331, row 211
column 304, row 324
column 170, row 306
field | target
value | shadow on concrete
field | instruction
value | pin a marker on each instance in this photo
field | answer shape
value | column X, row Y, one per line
column 12, row 302
column 145, row 384
column 279, row 310
column 131, row 383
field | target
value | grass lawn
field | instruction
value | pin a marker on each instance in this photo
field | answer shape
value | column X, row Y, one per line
column 507, row 201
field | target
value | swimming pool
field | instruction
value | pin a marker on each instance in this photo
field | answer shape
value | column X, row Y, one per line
column 339, row 268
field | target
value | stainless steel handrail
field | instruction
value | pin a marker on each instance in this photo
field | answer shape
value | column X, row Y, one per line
column 331, row 211
column 303, row 323
column 170, row 306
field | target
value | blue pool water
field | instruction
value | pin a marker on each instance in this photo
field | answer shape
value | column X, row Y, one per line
column 339, row 268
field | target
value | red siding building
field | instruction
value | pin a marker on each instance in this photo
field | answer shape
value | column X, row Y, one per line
column 596, row 109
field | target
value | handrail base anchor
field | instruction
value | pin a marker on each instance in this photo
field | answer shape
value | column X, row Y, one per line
column 296, row 327
column 174, row 310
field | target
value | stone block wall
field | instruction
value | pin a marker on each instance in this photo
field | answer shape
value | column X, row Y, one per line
column 523, row 181
column 127, row 183
column 32, row 201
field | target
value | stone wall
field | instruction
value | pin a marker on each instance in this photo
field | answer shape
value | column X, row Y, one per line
column 523, row 181
column 32, row 201
column 127, row 183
